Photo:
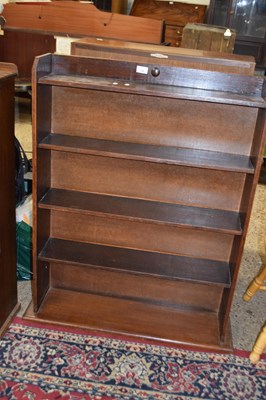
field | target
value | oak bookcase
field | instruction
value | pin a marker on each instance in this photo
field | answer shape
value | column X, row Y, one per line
column 144, row 178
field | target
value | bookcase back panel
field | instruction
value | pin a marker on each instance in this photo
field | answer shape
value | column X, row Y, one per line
column 165, row 292
column 140, row 235
column 153, row 120
column 138, row 179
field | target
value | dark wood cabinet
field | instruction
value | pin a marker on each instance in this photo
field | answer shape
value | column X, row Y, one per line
column 8, row 279
column 141, row 206
column 105, row 5
column 248, row 19
column 175, row 14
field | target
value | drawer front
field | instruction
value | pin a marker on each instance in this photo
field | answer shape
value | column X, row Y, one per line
column 173, row 35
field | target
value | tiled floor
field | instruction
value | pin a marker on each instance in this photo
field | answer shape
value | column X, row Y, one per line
column 246, row 318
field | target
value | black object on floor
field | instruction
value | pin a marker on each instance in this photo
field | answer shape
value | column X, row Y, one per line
column 262, row 178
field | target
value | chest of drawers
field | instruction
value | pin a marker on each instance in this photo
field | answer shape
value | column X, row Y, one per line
column 176, row 15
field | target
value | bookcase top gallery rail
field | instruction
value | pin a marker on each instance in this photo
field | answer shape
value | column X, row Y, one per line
column 84, row 72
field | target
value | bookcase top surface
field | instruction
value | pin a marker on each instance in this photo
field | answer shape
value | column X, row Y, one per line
column 167, row 51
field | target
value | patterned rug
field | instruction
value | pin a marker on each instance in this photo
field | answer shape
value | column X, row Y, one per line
column 41, row 362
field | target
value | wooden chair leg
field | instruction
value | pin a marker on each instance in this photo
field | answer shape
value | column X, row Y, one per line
column 259, row 346
column 256, row 284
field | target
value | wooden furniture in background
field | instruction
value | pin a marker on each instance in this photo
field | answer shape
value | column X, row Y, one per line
column 8, row 279
column 259, row 346
column 248, row 19
column 175, row 14
column 105, row 5
column 120, row 6
column 168, row 55
column 29, row 29
column 70, row 18
column 21, row 48
column 141, row 205
column 208, row 37
column 257, row 284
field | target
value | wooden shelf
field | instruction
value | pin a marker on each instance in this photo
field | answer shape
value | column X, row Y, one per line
column 142, row 210
column 145, row 152
column 167, row 88
column 122, row 316
column 142, row 239
column 137, row 261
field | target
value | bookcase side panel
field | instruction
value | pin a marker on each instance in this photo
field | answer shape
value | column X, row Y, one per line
column 42, row 104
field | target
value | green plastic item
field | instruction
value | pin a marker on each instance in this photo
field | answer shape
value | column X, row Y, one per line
column 24, row 251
